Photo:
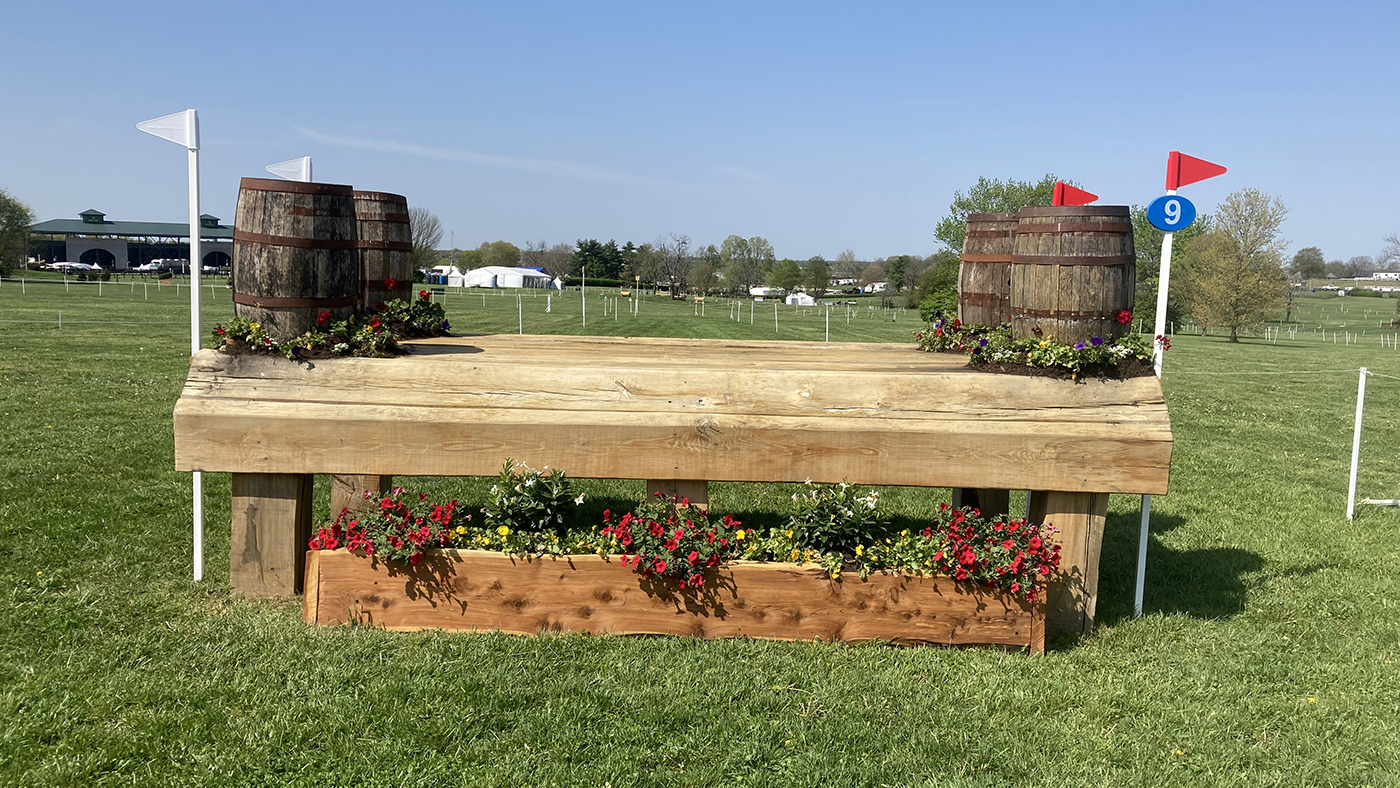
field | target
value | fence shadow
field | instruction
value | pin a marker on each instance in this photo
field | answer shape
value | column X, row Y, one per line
column 1208, row 583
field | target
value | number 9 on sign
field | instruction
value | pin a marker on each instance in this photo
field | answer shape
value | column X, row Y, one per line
column 1171, row 212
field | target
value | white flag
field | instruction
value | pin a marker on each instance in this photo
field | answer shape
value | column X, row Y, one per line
column 181, row 128
column 293, row 170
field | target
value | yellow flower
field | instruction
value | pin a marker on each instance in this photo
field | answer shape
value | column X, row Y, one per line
column 796, row 554
column 739, row 535
column 905, row 532
column 789, row 533
column 1043, row 343
column 461, row 530
column 255, row 326
column 860, row 549
column 503, row 530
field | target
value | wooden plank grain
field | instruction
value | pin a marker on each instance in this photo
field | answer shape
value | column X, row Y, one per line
column 474, row 590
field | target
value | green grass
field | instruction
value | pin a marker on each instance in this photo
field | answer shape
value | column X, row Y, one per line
column 1269, row 655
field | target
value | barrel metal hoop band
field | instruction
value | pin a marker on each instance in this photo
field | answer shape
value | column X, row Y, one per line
column 333, row 211
column 984, row 299
column 1075, row 227
column 1030, row 259
column 294, row 303
column 386, row 197
column 990, row 233
column 388, row 246
column 1066, row 313
column 296, row 187
column 295, row 243
column 388, row 218
column 985, row 258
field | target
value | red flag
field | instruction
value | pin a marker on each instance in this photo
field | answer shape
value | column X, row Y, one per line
column 1068, row 195
column 1183, row 169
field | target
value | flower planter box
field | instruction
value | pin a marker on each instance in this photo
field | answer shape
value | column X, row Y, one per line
column 464, row 590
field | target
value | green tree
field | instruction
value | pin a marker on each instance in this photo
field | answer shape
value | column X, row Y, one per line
column 705, row 270
column 746, row 261
column 1233, row 275
column 1309, row 263
column 1147, row 245
column 786, row 275
column 818, row 276
column 15, row 219
column 502, row 253
column 599, row 260
column 937, row 291
column 899, row 268
column 990, row 196
column 469, row 259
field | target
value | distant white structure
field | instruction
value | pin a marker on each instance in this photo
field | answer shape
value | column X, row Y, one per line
column 496, row 276
column 800, row 299
column 877, row 287
column 766, row 292
column 1393, row 275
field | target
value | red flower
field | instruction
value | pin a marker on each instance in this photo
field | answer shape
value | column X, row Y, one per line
column 390, row 283
column 1124, row 317
column 627, row 539
column 219, row 329
column 314, row 544
column 1015, row 588
column 415, row 559
column 374, row 322
column 1008, row 544
column 694, row 557
column 961, row 575
column 423, row 294
column 659, row 566
column 1035, row 542
column 672, row 544
column 697, row 581
column 654, row 528
column 323, row 317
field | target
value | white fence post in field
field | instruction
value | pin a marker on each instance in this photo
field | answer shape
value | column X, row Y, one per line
column 1356, row 443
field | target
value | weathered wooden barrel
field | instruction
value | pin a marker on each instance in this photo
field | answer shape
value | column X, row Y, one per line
column 984, row 278
column 295, row 254
column 386, row 248
column 1073, row 272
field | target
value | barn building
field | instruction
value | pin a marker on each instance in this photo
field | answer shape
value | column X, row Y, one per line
column 93, row 239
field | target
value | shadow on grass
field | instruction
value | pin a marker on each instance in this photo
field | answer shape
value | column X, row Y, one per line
column 1209, row 583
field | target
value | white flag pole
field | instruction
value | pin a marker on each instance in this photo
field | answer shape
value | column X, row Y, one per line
column 182, row 128
column 1159, row 329
column 1356, row 443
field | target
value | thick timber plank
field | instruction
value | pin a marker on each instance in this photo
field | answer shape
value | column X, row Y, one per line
column 271, row 525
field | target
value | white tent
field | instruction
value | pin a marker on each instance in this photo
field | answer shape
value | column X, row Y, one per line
column 800, row 299
column 495, row 276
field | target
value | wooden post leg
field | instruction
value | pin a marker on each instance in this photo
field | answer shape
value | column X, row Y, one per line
column 271, row 525
column 1073, row 591
column 348, row 492
column 991, row 503
column 697, row 492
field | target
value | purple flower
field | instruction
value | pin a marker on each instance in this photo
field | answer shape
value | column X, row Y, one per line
column 1078, row 345
column 983, row 343
column 446, row 325
column 1096, row 341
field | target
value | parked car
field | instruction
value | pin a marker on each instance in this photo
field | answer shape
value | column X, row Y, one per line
column 75, row 268
column 147, row 268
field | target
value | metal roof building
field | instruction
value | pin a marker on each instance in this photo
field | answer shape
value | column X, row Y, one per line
column 93, row 239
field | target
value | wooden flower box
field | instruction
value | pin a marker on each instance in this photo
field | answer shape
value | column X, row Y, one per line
column 464, row 590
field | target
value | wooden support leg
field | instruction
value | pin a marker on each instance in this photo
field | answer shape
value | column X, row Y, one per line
column 991, row 503
column 1073, row 591
column 348, row 492
column 271, row 525
column 697, row 492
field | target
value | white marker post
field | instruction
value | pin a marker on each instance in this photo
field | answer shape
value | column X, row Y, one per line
column 182, row 128
column 1159, row 328
column 1356, row 443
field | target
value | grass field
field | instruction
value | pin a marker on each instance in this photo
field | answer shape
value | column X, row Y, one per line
column 1269, row 654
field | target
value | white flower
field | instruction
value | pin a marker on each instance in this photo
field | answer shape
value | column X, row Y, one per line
column 579, row 500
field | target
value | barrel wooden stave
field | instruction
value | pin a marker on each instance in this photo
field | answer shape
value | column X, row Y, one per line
column 295, row 254
column 984, row 276
column 1073, row 272
column 386, row 247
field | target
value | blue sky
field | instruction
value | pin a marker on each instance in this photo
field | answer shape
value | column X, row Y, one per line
column 819, row 126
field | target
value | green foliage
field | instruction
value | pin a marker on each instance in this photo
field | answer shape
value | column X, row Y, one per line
column 469, row 259
column 374, row 335
column 991, row 196
column 1308, row 263
column 15, row 219
column 670, row 539
column 937, row 290
column 531, row 504
column 502, row 253
column 898, row 268
column 786, row 275
column 834, row 517
column 817, row 277
column 745, row 261
column 598, row 260
column 1147, row 243
column 394, row 527
column 1232, row 276
column 940, row 302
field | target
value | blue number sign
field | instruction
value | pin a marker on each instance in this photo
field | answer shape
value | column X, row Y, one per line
column 1171, row 212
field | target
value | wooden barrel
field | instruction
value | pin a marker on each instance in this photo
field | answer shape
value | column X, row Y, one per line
column 295, row 254
column 984, row 278
column 386, row 248
column 1073, row 272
